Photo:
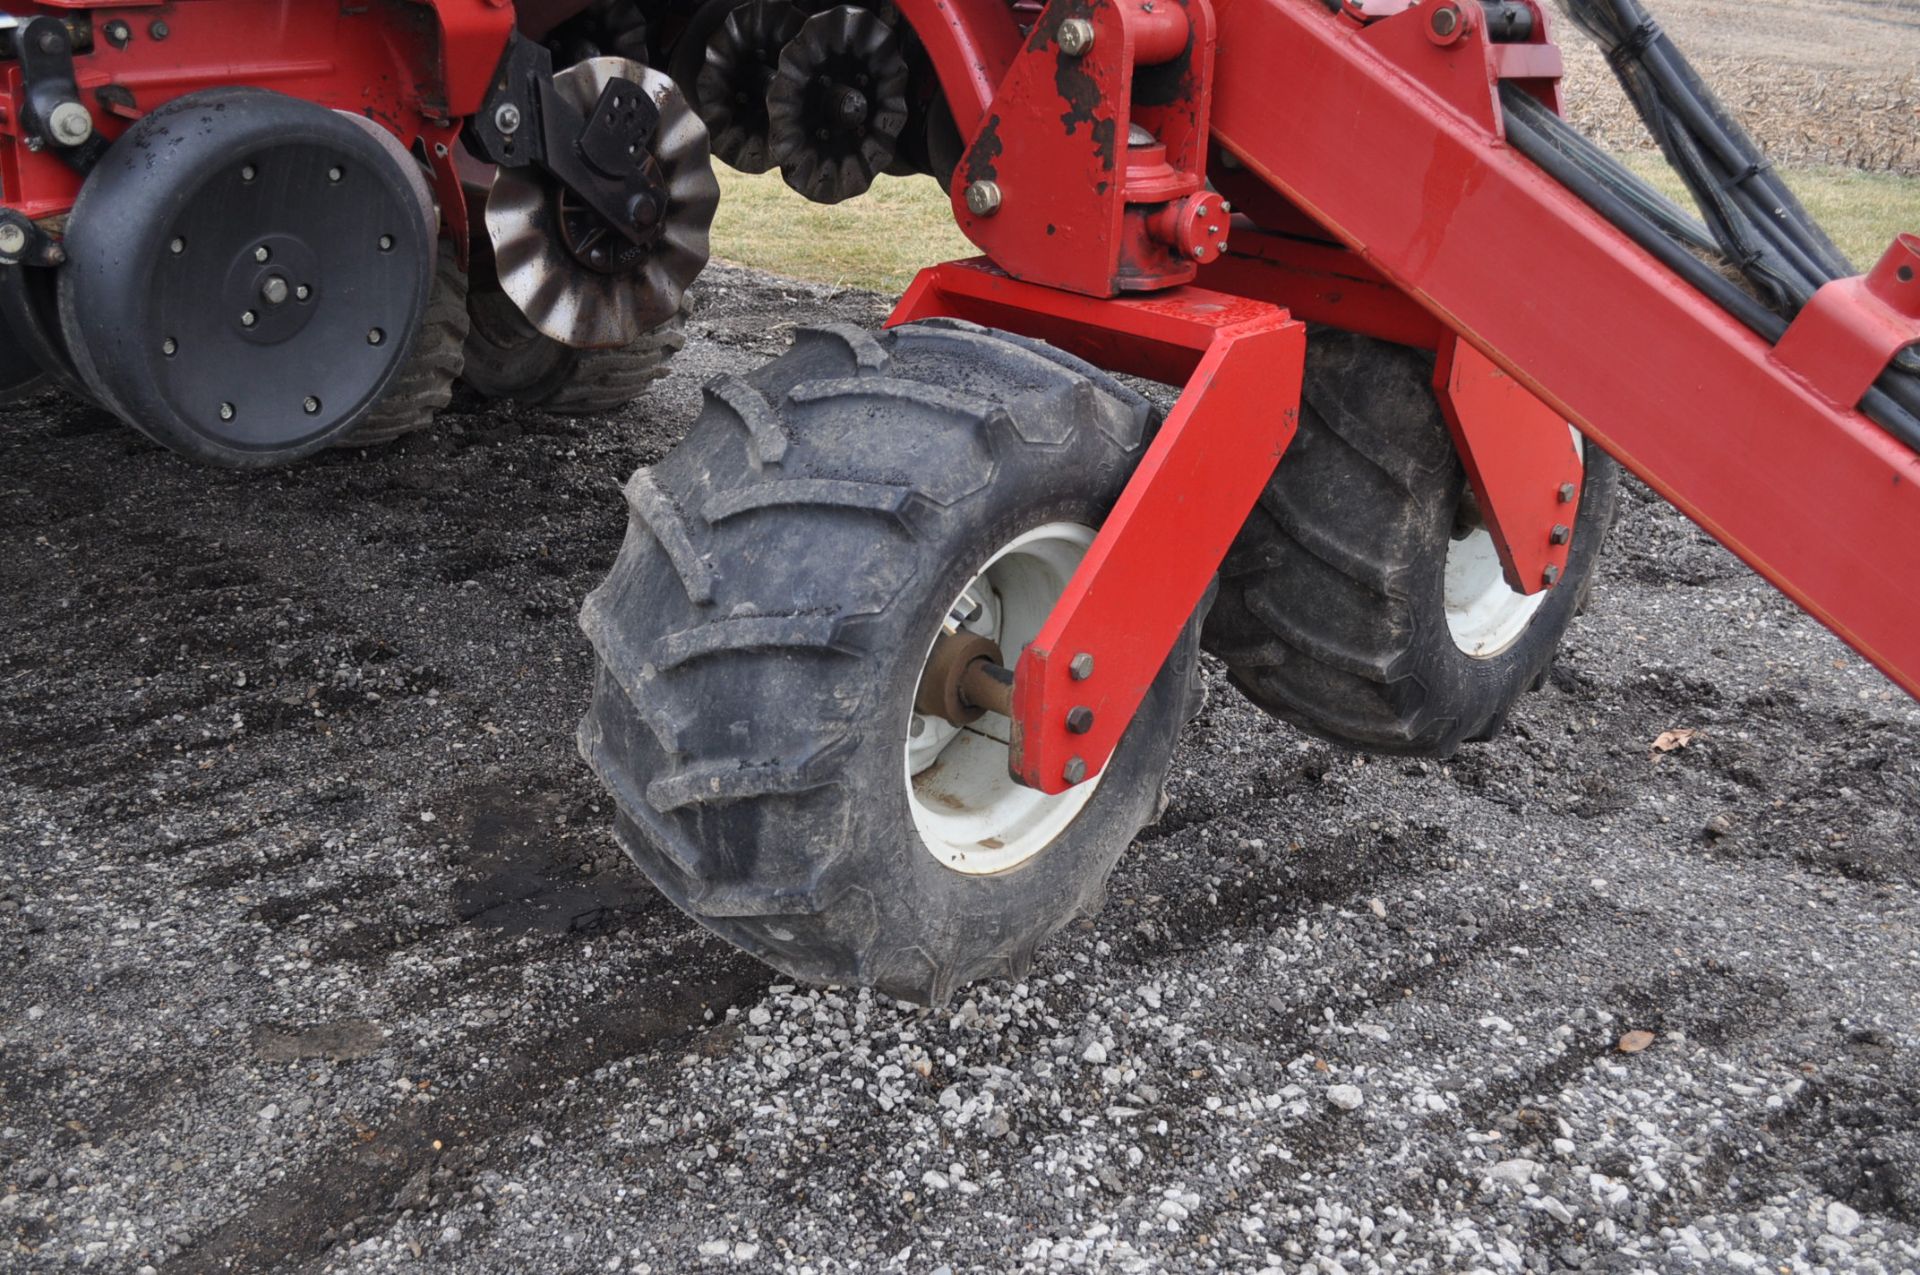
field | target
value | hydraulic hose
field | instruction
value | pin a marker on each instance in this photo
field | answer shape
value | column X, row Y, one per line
column 1753, row 223
column 1677, row 240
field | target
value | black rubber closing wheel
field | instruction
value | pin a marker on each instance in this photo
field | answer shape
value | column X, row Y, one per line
column 1363, row 600
column 246, row 301
column 761, row 639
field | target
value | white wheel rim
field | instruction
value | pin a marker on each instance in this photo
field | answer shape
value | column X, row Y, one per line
column 1485, row 614
column 969, row 813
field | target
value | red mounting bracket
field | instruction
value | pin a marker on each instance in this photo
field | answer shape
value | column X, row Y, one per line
column 1520, row 458
column 1241, row 362
column 1088, row 171
column 1853, row 328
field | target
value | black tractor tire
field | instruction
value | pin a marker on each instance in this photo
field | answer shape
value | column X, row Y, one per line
column 1331, row 613
column 508, row 358
column 424, row 384
column 762, row 635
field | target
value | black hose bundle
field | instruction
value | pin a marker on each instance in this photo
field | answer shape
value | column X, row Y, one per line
column 1754, row 224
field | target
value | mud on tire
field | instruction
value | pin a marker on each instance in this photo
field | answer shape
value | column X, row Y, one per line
column 762, row 635
column 1332, row 612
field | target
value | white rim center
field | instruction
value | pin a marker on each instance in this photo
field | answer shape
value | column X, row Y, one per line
column 1485, row 614
column 969, row 812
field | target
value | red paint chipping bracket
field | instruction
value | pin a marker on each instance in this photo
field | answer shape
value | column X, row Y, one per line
column 1241, row 363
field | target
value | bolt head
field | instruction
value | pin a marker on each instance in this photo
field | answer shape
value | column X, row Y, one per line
column 13, row 238
column 310, row 405
column 248, row 318
column 1551, row 575
column 226, row 411
column 178, row 246
column 1076, row 770
column 335, row 173
column 248, row 172
column 1079, row 720
column 386, row 243
column 168, row 346
column 1446, row 20
column 375, row 336
column 983, row 198
column 70, row 123
column 1567, row 493
column 1080, row 668
column 303, row 292
column 159, row 30
column 274, row 291
column 506, row 118
column 1561, row 533
column 261, row 253
column 1075, row 37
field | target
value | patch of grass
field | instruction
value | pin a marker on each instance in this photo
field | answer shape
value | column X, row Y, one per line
column 878, row 241
column 881, row 239
column 1864, row 212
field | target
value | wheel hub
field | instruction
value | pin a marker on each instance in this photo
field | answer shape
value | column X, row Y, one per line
column 970, row 813
column 258, row 295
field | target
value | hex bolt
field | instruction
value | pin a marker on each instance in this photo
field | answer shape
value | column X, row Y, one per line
column 1567, row 491
column 168, row 346
column 261, row 253
column 335, row 173
column 506, row 118
column 1076, row 770
column 1080, row 668
column 70, row 123
column 1199, row 252
column 983, row 198
column 1561, row 533
column 1075, row 37
column 386, row 243
column 118, row 34
column 1079, row 720
column 178, row 246
column 247, row 318
column 13, row 238
column 375, row 336
column 302, row 292
column 1552, row 575
column 248, row 172
column 274, row 290
column 310, row 404
column 158, row 29
column 226, row 411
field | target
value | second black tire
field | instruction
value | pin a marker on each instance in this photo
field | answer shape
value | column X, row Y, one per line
column 1332, row 612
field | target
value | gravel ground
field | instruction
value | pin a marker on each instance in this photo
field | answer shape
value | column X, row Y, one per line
column 318, row 955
